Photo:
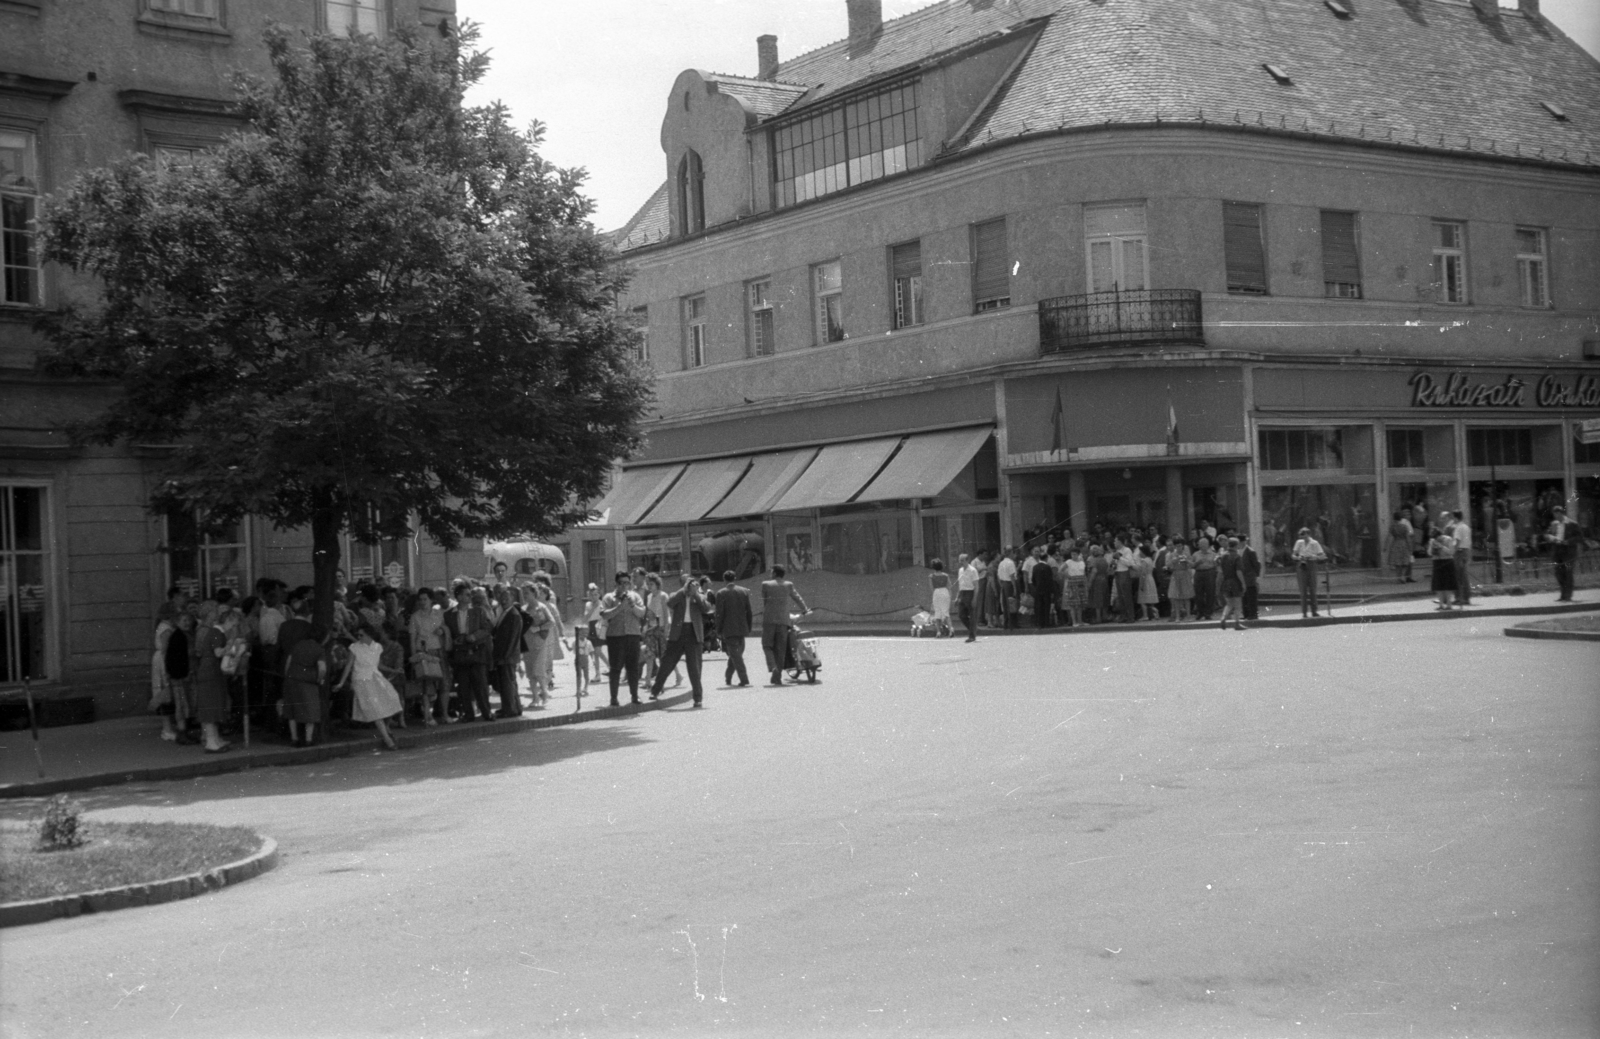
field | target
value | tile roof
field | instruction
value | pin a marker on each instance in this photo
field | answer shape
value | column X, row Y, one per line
column 651, row 223
column 762, row 97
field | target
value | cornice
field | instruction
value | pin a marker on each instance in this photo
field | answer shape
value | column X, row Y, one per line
column 150, row 102
column 38, row 88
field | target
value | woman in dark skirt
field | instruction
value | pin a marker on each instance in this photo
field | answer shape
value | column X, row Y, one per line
column 305, row 668
column 1442, row 550
column 210, row 681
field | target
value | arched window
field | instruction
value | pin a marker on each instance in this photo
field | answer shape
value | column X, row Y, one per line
column 691, row 193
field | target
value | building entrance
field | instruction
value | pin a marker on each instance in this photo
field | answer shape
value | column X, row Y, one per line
column 1139, row 509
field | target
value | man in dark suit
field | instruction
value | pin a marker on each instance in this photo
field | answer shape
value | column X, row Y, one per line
column 1565, row 539
column 734, row 621
column 471, row 644
column 506, row 652
column 686, row 633
column 1250, row 570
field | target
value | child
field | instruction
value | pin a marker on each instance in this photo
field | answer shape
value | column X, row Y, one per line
column 374, row 699
column 580, row 659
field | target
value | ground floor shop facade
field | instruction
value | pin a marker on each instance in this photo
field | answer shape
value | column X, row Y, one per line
column 857, row 498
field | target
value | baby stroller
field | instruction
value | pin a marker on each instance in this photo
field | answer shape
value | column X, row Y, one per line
column 802, row 654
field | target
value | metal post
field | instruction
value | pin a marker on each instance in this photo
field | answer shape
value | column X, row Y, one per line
column 1494, row 518
column 33, row 723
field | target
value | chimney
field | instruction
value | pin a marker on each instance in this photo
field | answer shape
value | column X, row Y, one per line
column 767, row 57
column 866, row 18
column 1529, row 7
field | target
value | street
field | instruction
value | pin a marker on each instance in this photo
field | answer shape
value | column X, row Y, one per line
column 1360, row 830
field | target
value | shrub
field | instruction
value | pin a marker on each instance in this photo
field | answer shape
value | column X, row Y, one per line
column 60, row 829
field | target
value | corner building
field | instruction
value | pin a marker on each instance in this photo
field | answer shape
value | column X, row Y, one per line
column 84, row 566
column 991, row 269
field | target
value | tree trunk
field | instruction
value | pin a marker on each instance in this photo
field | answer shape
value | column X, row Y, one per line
column 324, row 562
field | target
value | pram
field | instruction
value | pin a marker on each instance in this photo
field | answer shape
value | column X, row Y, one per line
column 801, row 653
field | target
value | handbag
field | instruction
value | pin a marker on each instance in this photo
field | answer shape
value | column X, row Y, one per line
column 1027, row 602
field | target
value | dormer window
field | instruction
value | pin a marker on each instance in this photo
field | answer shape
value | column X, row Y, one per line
column 691, row 194
column 847, row 144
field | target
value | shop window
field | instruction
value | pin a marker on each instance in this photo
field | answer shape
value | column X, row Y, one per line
column 946, row 538
column 866, row 544
column 694, row 332
column 1587, row 506
column 1528, row 504
column 19, row 201
column 906, row 264
column 715, row 551
column 852, row 143
column 991, row 266
column 1341, row 256
column 827, row 284
column 657, row 553
column 691, row 194
column 1449, row 262
column 1585, row 454
column 1243, row 249
column 1115, row 246
column 1499, row 446
column 356, row 16
column 1343, row 517
column 203, row 560
column 795, row 542
column 1533, row 277
column 1290, row 449
column 24, row 593
column 1406, row 449
column 763, row 342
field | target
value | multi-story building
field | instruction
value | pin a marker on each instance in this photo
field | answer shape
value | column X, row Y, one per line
column 83, row 565
column 999, row 267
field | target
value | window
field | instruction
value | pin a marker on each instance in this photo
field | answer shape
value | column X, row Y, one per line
column 200, row 561
column 1406, row 449
column 641, row 318
column 905, row 262
column 863, row 544
column 991, row 266
column 192, row 8
column 1449, row 262
column 759, row 329
column 828, row 287
column 1242, row 248
column 694, row 331
column 691, row 194
column 19, row 191
column 1532, row 274
column 357, row 16
column 174, row 158
column 1499, row 446
column 1302, row 449
column 1585, row 454
column 24, row 612
column 1114, row 237
column 1341, row 256
column 851, row 143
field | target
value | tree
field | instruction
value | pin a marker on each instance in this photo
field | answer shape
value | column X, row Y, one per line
column 373, row 306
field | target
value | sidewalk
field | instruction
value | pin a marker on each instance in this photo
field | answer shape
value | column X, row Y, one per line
column 130, row 750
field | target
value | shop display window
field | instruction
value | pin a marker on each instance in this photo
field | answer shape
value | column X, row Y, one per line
column 1343, row 517
column 1499, row 446
column 714, row 551
column 1426, row 448
column 24, row 593
column 1586, row 506
column 1528, row 504
column 947, row 537
column 658, row 553
column 868, row 544
column 1346, row 447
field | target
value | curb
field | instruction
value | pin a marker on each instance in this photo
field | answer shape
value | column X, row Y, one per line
column 105, row 900
column 406, row 738
column 1555, row 635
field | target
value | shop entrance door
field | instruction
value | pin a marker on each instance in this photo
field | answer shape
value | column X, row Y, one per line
column 1139, row 509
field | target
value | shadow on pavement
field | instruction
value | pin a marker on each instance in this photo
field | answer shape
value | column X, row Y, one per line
column 441, row 762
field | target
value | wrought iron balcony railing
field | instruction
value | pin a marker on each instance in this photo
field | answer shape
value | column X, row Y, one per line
column 1104, row 319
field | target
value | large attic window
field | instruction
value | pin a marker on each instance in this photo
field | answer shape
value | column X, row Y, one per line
column 1555, row 112
column 1339, row 10
column 850, row 143
column 691, row 195
column 1277, row 73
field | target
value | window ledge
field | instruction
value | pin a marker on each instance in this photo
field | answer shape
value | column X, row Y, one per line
column 199, row 30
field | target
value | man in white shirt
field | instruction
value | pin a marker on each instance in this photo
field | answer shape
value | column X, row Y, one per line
column 967, row 587
column 1006, row 574
column 1308, row 557
column 1463, row 535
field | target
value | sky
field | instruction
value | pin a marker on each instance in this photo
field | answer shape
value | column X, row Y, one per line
column 596, row 72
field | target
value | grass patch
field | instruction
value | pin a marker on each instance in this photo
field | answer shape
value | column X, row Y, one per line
column 1584, row 622
column 114, row 855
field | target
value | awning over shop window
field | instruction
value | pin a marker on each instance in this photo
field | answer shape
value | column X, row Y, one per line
column 769, row 478
column 926, row 464
column 840, row 470
column 703, row 485
column 634, row 491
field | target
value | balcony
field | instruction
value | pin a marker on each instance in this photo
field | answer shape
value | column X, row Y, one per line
column 1138, row 317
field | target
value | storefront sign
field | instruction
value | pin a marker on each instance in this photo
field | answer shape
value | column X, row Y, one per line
column 1458, row 390
column 1589, row 431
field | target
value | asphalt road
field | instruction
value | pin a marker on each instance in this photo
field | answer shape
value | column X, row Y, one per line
column 1384, row 830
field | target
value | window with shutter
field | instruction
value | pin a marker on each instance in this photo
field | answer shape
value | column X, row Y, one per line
column 1341, row 256
column 1243, row 252
column 991, row 266
column 906, row 261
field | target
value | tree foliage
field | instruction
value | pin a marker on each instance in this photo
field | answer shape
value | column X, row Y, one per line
column 373, row 305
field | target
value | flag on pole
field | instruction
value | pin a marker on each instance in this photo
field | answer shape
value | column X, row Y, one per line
column 1172, row 428
column 1058, row 425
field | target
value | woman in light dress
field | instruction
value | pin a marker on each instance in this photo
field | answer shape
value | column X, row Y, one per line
column 374, row 699
column 1074, row 586
column 939, row 581
column 429, row 638
column 1180, row 589
column 1148, row 596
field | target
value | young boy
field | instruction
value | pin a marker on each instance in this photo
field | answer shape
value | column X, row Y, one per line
column 581, row 648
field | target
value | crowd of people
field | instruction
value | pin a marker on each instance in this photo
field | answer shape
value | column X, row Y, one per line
column 393, row 656
column 1114, row 576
